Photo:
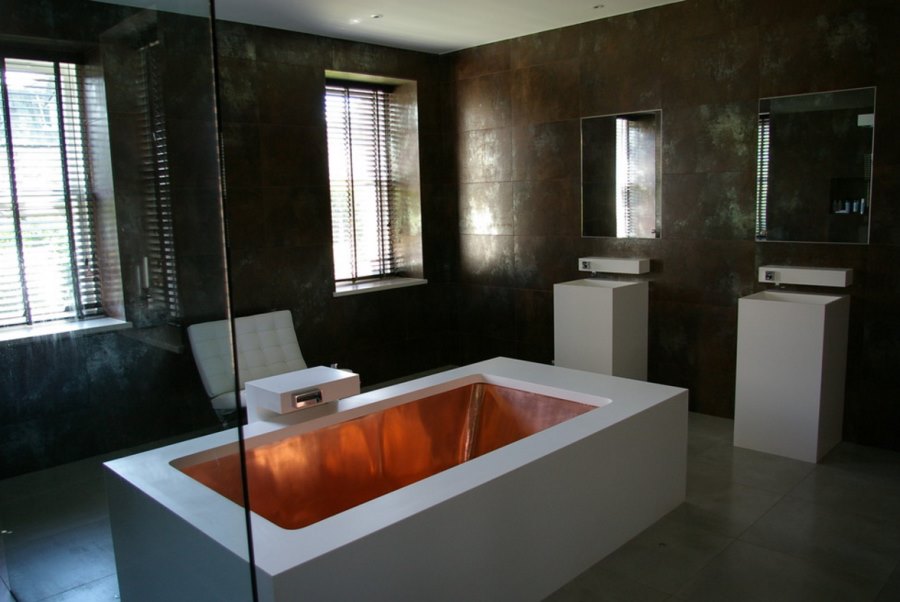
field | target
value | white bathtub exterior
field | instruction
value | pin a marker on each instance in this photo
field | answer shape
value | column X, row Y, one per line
column 514, row 524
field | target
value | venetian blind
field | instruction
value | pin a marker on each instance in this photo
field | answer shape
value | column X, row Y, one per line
column 636, row 157
column 360, row 141
column 762, row 174
column 624, row 178
column 158, row 214
column 48, row 268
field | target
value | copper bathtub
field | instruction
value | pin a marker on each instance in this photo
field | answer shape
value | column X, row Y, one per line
column 300, row 480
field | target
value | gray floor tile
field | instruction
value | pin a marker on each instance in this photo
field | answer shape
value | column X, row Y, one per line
column 853, row 492
column 877, row 463
column 42, row 482
column 891, row 590
column 836, row 541
column 597, row 585
column 41, row 515
column 4, row 576
column 666, row 555
column 96, row 591
column 707, row 432
column 757, row 469
column 40, row 568
column 719, row 505
column 704, row 425
column 748, row 573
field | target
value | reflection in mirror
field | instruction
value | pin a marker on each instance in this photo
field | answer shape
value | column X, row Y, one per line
column 814, row 167
column 620, row 175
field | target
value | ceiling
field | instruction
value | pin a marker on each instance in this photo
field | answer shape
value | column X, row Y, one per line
column 435, row 26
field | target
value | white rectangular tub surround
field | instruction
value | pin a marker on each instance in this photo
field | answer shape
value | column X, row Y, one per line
column 514, row 524
column 789, row 274
column 614, row 265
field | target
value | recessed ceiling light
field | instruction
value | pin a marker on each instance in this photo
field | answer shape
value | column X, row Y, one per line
column 596, row 6
column 354, row 21
column 377, row 16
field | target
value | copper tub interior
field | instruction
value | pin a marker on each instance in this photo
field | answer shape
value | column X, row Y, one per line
column 305, row 478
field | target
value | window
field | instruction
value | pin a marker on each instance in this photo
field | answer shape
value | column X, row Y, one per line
column 636, row 159
column 159, row 271
column 361, row 143
column 621, row 175
column 762, row 175
column 48, row 266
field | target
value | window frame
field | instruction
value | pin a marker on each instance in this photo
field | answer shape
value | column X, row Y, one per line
column 353, row 222
column 407, row 225
column 78, row 201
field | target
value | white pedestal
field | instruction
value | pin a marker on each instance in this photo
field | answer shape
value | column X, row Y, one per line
column 791, row 366
column 601, row 326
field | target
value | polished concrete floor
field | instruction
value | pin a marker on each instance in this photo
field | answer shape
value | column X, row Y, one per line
column 754, row 527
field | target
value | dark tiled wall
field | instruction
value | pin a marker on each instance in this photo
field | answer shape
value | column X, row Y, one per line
column 499, row 138
column 69, row 398
column 705, row 63
column 64, row 398
column 186, row 90
column 278, row 207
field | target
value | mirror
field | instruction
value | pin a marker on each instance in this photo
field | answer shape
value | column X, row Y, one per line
column 814, row 167
column 620, row 175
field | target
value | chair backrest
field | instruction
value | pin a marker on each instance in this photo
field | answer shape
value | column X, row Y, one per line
column 266, row 345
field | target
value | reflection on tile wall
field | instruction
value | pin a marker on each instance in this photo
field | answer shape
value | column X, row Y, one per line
column 69, row 398
column 63, row 398
column 278, row 207
column 705, row 63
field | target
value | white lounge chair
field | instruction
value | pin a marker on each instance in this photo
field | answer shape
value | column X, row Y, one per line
column 266, row 345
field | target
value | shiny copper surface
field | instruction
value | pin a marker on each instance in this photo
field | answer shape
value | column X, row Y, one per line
column 302, row 479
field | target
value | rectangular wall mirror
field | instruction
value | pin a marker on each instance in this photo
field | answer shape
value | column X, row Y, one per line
column 620, row 175
column 814, row 167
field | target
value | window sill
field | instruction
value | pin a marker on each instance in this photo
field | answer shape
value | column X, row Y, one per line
column 372, row 286
column 24, row 334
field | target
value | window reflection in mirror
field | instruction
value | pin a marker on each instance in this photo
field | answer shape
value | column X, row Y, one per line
column 620, row 175
column 814, row 167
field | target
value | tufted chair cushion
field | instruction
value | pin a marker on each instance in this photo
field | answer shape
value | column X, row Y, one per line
column 266, row 345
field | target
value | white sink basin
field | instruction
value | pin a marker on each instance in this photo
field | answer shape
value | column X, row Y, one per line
column 601, row 326
column 599, row 283
column 794, row 297
column 791, row 364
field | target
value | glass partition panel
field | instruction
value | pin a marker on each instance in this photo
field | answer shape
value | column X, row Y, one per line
column 111, row 246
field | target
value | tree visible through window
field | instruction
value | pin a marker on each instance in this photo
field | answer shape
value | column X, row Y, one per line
column 360, row 122
column 48, row 267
